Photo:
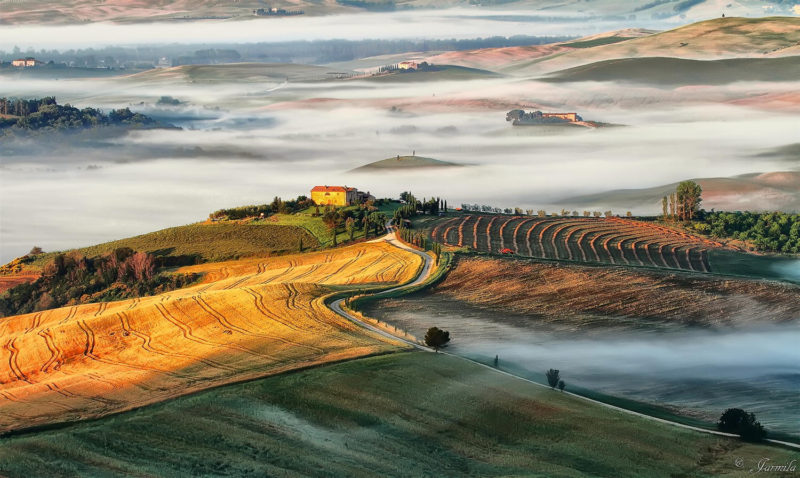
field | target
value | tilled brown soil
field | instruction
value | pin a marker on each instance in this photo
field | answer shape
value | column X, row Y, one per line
column 565, row 293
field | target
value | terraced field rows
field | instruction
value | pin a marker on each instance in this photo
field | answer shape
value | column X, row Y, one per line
column 612, row 241
column 247, row 319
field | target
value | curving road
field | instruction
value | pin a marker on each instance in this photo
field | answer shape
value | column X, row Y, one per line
column 427, row 268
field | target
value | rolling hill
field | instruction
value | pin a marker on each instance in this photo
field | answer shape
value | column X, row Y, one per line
column 248, row 319
column 238, row 72
column 207, row 242
column 715, row 39
column 402, row 163
column 438, row 72
column 404, row 415
column 775, row 191
column 679, row 71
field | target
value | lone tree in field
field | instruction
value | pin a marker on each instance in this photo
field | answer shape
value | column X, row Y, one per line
column 436, row 338
column 688, row 199
column 552, row 377
column 561, row 385
column 736, row 420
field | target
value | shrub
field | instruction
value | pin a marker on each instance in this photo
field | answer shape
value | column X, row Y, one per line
column 552, row 377
column 736, row 420
column 436, row 338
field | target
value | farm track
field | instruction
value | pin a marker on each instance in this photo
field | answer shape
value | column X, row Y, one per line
column 249, row 318
column 611, row 241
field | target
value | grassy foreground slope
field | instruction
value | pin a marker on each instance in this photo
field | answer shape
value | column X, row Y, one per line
column 408, row 414
column 248, row 319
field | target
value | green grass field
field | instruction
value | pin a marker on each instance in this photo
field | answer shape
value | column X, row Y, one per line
column 405, row 414
column 317, row 228
column 208, row 242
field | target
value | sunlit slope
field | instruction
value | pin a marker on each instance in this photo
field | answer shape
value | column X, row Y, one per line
column 708, row 40
column 249, row 318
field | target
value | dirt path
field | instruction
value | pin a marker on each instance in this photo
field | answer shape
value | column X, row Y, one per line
column 427, row 267
column 391, row 238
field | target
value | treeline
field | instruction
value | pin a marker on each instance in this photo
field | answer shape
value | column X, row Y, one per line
column 769, row 231
column 23, row 107
column 277, row 206
column 317, row 51
column 73, row 278
column 46, row 114
column 412, row 206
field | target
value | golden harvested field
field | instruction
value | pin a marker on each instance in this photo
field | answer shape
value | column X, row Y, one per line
column 249, row 318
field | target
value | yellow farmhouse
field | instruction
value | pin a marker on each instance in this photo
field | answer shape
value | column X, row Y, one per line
column 338, row 195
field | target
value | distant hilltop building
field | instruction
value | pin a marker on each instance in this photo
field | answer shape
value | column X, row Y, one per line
column 26, row 62
column 276, row 12
column 407, row 65
column 338, row 196
column 520, row 117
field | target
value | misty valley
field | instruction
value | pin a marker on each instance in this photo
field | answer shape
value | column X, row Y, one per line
column 683, row 370
column 400, row 238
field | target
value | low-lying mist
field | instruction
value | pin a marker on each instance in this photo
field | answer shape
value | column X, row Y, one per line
column 698, row 373
column 244, row 143
column 691, row 370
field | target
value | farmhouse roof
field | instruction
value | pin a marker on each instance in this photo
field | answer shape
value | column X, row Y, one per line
column 330, row 189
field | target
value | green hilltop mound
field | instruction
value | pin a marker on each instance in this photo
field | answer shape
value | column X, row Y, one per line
column 405, row 162
column 681, row 71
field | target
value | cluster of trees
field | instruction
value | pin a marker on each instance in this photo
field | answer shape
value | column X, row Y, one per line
column 420, row 240
column 23, row 107
column 414, row 206
column 76, row 279
column 277, row 206
column 736, row 420
column 684, row 203
column 46, row 115
column 767, row 231
column 351, row 220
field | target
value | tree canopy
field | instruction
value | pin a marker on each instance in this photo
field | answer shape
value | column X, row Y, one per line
column 688, row 198
column 45, row 115
column 437, row 338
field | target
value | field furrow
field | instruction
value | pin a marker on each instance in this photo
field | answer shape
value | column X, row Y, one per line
column 584, row 239
column 249, row 318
